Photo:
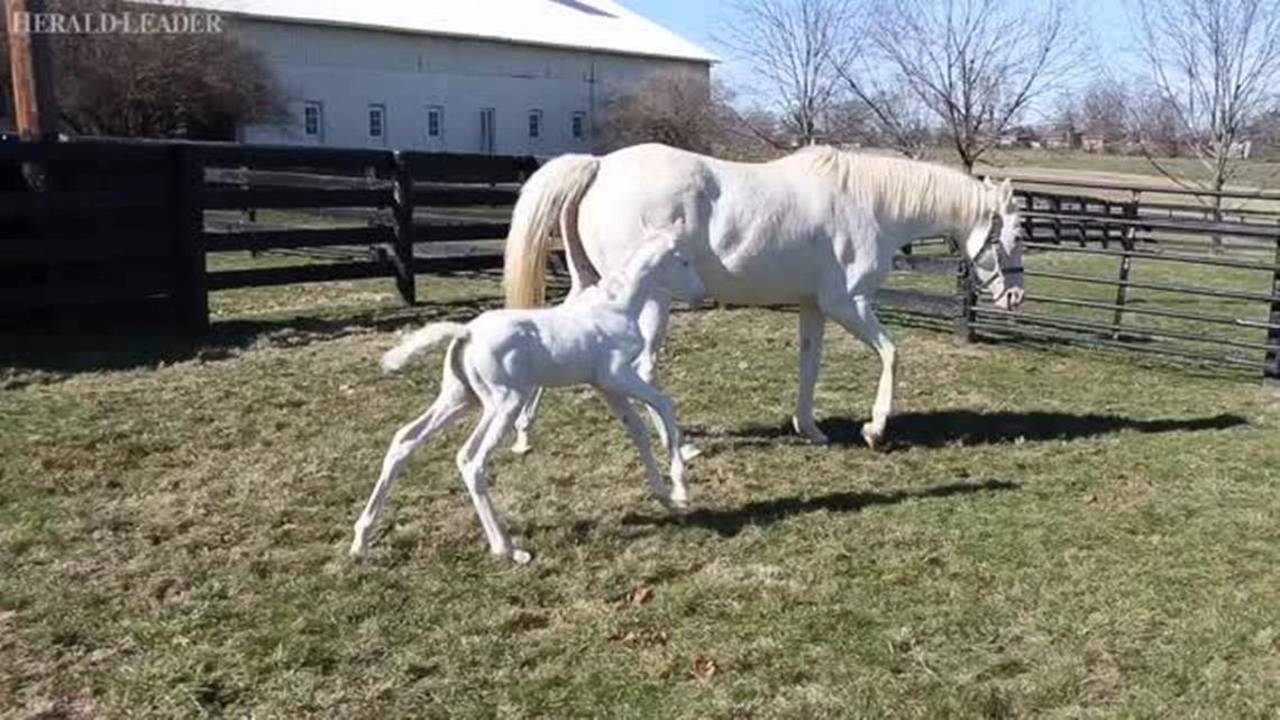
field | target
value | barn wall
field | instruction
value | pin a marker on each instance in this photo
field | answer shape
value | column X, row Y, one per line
column 349, row 69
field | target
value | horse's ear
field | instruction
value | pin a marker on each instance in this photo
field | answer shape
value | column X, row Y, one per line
column 1006, row 190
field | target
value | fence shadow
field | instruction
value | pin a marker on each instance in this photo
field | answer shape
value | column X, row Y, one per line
column 941, row 428
column 730, row 522
column 90, row 349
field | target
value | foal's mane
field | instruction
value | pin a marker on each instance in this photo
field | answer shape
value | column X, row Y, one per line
column 901, row 189
column 623, row 281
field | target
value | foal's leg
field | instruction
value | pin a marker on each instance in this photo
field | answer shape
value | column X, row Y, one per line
column 631, row 420
column 652, row 322
column 524, row 423
column 454, row 399
column 499, row 416
column 624, row 380
column 856, row 316
column 812, row 325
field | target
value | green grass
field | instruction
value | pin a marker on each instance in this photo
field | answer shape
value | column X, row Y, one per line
column 1054, row 533
column 1251, row 173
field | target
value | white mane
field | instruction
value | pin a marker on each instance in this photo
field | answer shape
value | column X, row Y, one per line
column 900, row 189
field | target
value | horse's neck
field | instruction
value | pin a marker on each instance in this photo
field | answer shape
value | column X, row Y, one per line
column 632, row 293
column 633, row 287
column 898, row 233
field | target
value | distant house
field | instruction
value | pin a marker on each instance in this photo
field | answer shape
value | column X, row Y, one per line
column 1067, row 138
column 1093, row 142
column 1241, row 149
column 488, row 76
column 1020, row 137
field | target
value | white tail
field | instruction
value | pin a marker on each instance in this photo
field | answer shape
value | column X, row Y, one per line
column 555, row 188
column 420, row 340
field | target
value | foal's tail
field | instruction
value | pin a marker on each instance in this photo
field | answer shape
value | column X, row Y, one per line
column 550, row 197
column 421, row 340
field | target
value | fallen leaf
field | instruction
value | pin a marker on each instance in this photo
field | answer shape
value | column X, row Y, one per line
column 641, row 595
column 704, row 668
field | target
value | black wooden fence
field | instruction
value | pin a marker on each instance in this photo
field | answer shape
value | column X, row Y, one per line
column 129, row 224
column 1221, row 308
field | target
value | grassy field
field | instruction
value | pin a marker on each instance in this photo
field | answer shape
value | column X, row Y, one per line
column 1055, row 533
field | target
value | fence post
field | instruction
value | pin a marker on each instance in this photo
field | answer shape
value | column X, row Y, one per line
column 1271, row 371
column 968, row 297
column 1122, row 290
column 192, row 288
column 402, row 255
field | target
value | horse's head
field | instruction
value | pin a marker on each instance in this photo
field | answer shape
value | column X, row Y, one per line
column 671, row 265
column 995, row 250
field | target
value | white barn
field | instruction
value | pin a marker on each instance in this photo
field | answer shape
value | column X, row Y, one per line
column 492, row 76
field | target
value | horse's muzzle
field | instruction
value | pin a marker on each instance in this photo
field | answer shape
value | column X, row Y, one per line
column 1010, row 298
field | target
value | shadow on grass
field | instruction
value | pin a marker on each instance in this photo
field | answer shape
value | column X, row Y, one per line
column 729, row 523
column 87, row 348
column 941, row 428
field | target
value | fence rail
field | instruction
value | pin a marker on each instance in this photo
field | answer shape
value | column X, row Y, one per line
column 1108, row 265
column 1227, row 278
column 133, row 222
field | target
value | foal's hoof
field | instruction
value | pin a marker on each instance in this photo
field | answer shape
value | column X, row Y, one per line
column 523, row 444
column 874, row 440
column 521, row 557
column 689, row 451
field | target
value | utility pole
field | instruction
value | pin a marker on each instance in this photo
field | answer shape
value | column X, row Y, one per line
column 31, row 65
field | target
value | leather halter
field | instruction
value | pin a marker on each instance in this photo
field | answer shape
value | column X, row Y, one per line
column 992, row 244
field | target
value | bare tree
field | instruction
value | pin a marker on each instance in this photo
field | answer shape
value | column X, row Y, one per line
column 1216, row 64
column 671, row 108
column 198, row 85
column 685, row 111
column 893, row 117
column 976, row 65
column 1154, row 123
column 1104, row 109
column 796, row 47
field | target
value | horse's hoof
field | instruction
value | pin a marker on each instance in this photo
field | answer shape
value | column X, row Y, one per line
column 357, row 550
column 689, row 451
column 874, row 440
column 810, row 431
column 521, row 557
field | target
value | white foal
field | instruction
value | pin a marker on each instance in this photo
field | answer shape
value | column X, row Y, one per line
column 500, row 359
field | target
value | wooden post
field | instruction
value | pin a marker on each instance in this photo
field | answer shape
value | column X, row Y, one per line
column 35, row 109
column 968, row 296
column 402, row 255
column 31, row 67
column 1271, row 371
column 191, row 279
column 1122, row 290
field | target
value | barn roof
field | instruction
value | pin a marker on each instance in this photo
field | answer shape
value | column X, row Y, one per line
column 602, row 25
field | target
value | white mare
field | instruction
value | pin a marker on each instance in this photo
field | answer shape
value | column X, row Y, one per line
column 500, row 359
column 817, row 229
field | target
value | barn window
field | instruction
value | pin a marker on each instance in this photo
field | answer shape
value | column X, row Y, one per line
column 535, row 123
column 312, row 118
column 435, row 121
column 377, row 120
column 579, row 125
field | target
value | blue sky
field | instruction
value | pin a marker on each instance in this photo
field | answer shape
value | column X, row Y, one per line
column 697, row 20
